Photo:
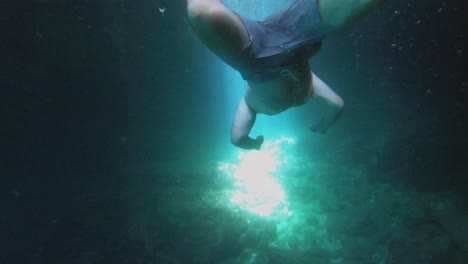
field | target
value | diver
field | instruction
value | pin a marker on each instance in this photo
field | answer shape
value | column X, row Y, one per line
column 272, row 56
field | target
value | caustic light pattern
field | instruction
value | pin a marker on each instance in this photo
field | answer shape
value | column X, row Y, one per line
column 255, row 174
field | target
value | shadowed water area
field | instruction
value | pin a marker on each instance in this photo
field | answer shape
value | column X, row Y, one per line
column 115, row 142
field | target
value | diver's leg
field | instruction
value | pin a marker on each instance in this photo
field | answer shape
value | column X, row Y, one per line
column 321, row 92
column 218, row 27
column 340, row 13
column 241, row 126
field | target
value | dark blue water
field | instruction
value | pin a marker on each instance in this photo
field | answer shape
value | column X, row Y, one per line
column 112, row 137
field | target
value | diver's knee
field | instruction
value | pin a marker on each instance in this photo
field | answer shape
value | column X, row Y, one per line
column 340, row 14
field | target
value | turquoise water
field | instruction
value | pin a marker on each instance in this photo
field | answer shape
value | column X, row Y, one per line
column 116, row 142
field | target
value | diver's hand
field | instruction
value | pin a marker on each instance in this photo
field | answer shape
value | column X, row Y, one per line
column 258, row 142
column 321, row 127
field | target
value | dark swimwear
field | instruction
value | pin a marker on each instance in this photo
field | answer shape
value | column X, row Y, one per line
column 280, row 44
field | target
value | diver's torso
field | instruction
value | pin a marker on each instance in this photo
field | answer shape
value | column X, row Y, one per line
column 277, row 95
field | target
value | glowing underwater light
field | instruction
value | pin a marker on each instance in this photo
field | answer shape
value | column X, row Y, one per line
column 257, row 190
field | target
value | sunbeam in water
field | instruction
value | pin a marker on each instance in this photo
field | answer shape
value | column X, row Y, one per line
column 255, row 174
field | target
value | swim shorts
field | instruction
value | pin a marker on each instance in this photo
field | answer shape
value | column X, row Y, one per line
column 281, row 43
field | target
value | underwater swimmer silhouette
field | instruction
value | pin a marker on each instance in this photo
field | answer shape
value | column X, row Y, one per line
column 272, row 56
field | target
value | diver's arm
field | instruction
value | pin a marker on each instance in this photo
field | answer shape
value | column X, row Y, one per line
column 334, row 104
column 242, row 124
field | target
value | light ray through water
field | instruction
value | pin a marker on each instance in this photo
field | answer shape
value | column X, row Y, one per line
column 255, row 174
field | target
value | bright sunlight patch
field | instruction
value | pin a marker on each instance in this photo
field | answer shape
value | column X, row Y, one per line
column 256, row 187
